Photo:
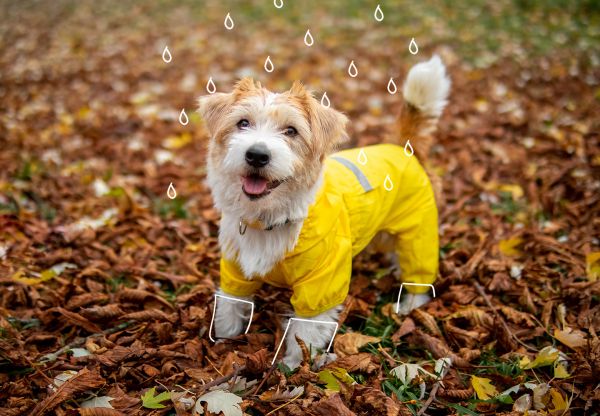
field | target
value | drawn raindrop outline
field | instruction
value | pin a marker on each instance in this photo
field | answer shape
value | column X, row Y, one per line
column 412, row 151
column 325, row 99
column 387, row 181
column 350, row 69
column 362, row 157
column 416, row 47
column 378, row 12
column 228, row 19
column 182, row 115
column 391, row 82
column 269, row 62
column 309, row 35
column 171, row 191
column 168, row 52
column 280, row 4
column 210, row 84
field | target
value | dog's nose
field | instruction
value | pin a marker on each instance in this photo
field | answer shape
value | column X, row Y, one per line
column 258, row 155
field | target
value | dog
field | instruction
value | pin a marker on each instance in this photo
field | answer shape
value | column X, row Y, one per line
column 293, row 214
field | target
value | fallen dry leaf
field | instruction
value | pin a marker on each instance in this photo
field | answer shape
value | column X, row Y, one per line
column 571, row 337
column 361, row 362
column 84, row 380
column 483, row 387
column 332, row 405
column 350, row 342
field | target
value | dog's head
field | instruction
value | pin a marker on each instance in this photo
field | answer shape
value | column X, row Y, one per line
column 266, row 148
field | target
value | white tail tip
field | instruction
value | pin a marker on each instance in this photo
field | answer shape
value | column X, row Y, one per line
column 427, row 87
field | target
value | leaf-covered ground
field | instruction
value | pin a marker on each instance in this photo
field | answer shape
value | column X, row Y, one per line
column 106, row 284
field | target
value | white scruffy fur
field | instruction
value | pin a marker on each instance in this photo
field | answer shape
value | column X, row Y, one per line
column 427, row 86
column 258, row 251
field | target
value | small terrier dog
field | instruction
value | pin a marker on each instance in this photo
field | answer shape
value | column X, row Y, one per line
column 293, row 215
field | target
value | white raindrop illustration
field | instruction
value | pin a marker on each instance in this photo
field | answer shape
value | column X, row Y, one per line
column 362, row 157
column 183, row 118
column 171, row 192
column 210, row 86
column 308, row 39
column 228, row 22
column 408, row 149
column 325, row 100
column 269, row 67
column 413, row 47
column 387, row 183
column 166, row 56
column 352, row 70
column 392, row 89
column 278, row 4
column 378, row 14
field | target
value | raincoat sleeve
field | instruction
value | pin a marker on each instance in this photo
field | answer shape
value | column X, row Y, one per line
column 416, row 225
column 321, row 275
column 418, row 252
column 233, row 281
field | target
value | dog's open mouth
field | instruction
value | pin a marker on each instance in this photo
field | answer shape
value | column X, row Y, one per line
column 256, row 186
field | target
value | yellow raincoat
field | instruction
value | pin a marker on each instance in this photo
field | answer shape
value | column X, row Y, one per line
column 386, row 191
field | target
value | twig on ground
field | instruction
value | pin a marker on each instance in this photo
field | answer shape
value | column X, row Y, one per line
column 432, row 394
column 53, row 356
column 283, row 405
column 236, row 369
column 489, row 304
column 37, row 370
column 387, row 355
column 214, row 366
column 264, row 379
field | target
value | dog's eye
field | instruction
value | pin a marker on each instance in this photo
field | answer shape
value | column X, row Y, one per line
column 290, row 131
column 243, row 124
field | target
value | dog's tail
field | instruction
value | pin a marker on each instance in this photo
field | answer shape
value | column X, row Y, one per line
column 425, row 94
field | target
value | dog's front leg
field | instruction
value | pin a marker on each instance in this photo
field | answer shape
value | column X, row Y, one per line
column 315, row 335
column 413, row 301
column 231, row 316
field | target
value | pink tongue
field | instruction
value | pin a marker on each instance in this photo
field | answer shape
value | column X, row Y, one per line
column 254, row 185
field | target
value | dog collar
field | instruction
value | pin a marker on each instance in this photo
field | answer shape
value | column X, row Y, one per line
column 258, row 225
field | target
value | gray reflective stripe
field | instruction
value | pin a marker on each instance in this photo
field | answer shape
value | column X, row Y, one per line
column 357, row 172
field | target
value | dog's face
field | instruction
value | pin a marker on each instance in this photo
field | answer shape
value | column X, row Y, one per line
column 265, row 147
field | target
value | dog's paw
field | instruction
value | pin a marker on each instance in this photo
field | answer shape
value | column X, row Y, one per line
column 316, row 333
column 412, row 301
column 292, row 360
column 231, row 318
column 228, row 326
column 323, row 359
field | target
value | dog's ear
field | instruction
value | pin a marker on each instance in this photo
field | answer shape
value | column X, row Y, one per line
column 212, row 108
column 299, row 91
column 327, row 125
column 245, row 85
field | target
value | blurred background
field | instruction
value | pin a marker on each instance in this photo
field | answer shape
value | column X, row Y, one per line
column 83, row 85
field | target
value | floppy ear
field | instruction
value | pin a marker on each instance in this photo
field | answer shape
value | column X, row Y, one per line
column 328, row 126
column 245, row 85
column 212, row 109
